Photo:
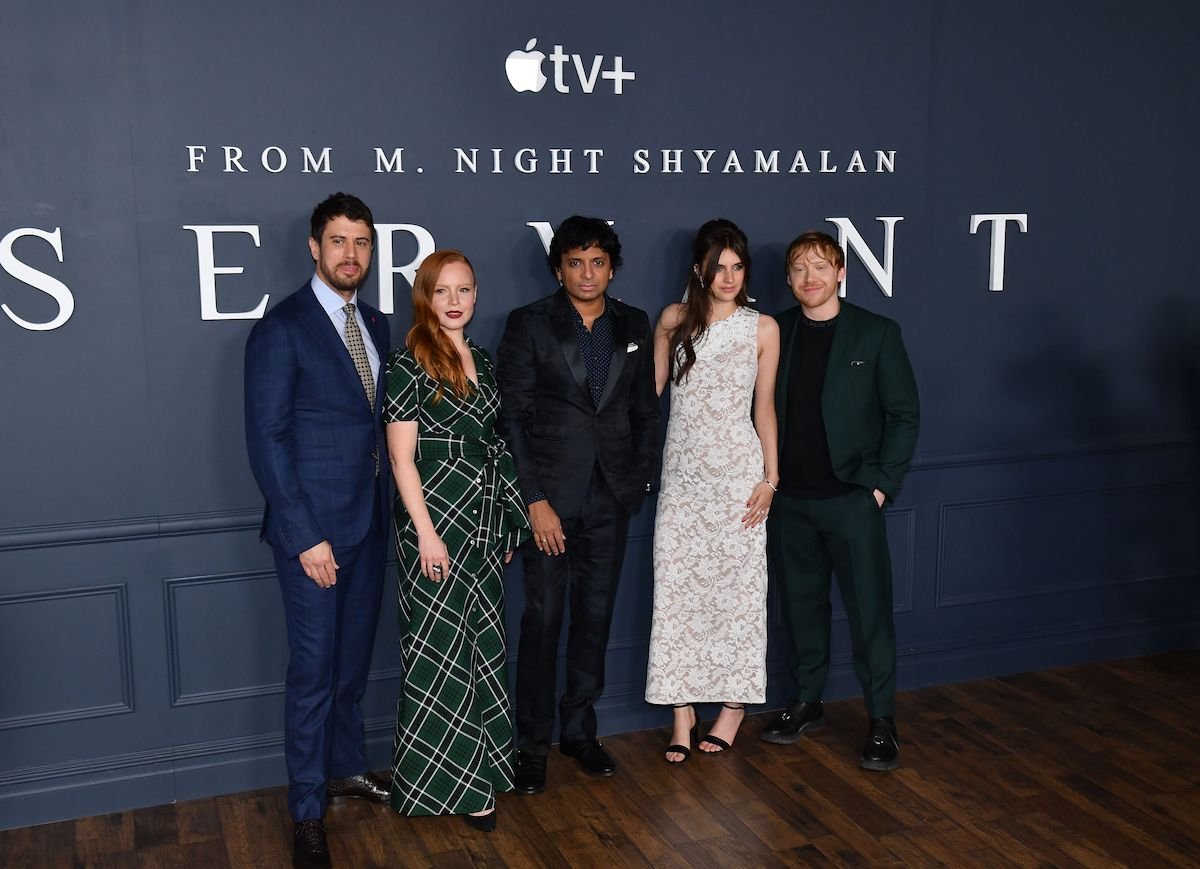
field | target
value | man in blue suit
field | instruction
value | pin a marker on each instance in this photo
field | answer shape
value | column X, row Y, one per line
column 316, row 445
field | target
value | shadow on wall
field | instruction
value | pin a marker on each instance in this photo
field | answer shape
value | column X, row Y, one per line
column 1173, row 371
column 1174, row 358
column 1112, row 500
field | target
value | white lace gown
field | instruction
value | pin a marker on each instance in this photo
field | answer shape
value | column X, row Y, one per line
column 708, row 638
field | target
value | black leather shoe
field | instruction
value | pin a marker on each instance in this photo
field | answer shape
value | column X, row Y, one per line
column 592, row 757
column 309, row 847
column 796, row 719
column 883, row 746
column 367, row 786
column 531, row 773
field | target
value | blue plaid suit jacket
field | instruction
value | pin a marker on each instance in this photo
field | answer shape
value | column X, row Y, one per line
column 313, row 440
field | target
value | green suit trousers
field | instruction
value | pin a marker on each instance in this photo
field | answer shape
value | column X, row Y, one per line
column 808, row 540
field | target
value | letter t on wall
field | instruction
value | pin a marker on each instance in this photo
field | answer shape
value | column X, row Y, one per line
column 999, row 226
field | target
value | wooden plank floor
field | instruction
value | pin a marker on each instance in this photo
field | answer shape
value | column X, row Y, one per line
column 1094, row 765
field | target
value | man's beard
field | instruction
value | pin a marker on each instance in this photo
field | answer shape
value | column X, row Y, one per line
column 344, row 284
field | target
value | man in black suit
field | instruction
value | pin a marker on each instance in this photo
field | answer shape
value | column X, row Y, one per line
column 576, row 372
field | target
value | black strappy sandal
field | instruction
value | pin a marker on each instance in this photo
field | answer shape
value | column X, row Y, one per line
column 683, row 749
column 720, row 743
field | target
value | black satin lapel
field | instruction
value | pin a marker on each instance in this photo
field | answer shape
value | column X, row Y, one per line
column 620, row 351
column 564, row 331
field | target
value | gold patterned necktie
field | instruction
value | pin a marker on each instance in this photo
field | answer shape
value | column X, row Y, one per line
column 358, row 352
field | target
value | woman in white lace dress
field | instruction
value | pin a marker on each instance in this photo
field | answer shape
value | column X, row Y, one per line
column 708, row 639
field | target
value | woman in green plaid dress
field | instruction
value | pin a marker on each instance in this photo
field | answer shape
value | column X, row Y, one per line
column 459, row 516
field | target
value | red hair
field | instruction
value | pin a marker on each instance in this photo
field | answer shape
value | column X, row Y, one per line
column 429, row 345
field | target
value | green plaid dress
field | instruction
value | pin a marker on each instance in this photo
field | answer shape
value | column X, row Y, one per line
column 454, row 741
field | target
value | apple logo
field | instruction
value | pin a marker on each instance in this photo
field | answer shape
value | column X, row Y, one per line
column 524, row 69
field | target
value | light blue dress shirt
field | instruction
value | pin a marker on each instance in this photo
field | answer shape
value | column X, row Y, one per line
column 335, row 307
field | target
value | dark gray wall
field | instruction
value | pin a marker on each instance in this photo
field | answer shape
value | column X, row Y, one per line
column 1049, row 517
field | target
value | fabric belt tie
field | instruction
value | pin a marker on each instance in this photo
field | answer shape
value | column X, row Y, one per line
column 497, row 473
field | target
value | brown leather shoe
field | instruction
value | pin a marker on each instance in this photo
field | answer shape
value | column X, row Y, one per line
column 309, row 848
column 367, row 786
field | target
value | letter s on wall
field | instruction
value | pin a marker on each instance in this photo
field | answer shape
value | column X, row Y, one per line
column 52, row 287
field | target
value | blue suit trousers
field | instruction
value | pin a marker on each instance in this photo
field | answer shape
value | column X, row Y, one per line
column 331, row 634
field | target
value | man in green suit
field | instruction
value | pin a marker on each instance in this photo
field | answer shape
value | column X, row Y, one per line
column 847, row 407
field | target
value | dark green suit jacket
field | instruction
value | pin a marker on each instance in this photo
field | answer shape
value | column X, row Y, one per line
column 869, row 398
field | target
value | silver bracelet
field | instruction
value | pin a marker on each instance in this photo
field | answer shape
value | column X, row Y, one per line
column 769, row 483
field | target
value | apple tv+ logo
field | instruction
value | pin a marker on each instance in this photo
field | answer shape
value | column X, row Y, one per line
column 524, row 70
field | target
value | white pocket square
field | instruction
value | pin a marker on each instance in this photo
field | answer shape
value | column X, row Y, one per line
column 632, row 346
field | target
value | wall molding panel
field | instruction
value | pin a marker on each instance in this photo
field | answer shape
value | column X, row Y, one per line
column 117, row 643
column 133, row 528
column 205, row 639
column 178, row 658
column 955, row 459
column 1035, row 520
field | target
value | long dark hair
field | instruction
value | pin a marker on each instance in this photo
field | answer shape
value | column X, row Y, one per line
column 713, row 239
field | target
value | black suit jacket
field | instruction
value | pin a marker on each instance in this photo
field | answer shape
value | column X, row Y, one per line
column 869, row 398
column 556, row 435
